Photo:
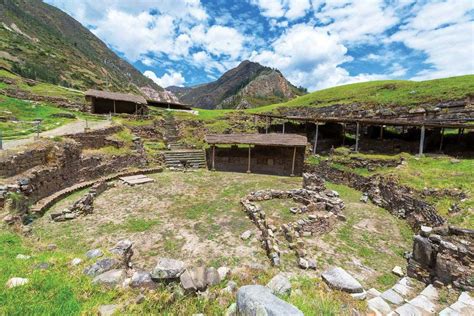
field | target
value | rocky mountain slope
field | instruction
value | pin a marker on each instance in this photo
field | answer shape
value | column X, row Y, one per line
column 41, row 42
column 246, row 86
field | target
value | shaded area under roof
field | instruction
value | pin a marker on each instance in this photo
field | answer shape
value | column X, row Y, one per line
column 272, row 139
column 115, row 96
column 169, row 105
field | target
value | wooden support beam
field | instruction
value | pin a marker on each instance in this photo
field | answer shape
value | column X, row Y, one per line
column 422, row 141
column 114, row 108
column 315, row 146
column 357, row 137
column 343, row 134
column 283, row 127
column 381, row 132
column 293, row 163
column 248, row 166
column 441, row 139
column 213, row 157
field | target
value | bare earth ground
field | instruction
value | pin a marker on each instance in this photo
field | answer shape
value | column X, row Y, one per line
column 197, row 217
column 70, row 128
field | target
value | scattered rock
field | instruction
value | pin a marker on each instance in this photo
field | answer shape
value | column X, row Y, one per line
column 364, row 198
column 392, row 297
column 259, row 300
column 397, row 270
column 107, row 310
column 194, row 279
column 425, row 231
column 337, row 278
column 430, row 292
column 231, row 287
column 223, row 272
column 14, row 282
column 303, row 263
column 167, row 268
column 246, row 235
column 377, row 304
column 140, row 298
column 42, row 266
column 76, row 261
column 22, row 257
column 51, row 247
column 110, row 278
column 101, row 266
column 142, row 279
column 212, row 277
column 94, row 253
column 124, row 250
column 280, row 285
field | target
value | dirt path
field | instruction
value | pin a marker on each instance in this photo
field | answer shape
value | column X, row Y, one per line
column 70, row 128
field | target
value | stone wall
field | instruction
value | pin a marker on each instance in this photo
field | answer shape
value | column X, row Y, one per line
column 13, row 164
column 96, row 138
column 264, row 159
column 444, row 255
column 399, row 200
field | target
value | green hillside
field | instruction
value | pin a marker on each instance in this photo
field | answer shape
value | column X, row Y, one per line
column 384, row 93
column 43, row 43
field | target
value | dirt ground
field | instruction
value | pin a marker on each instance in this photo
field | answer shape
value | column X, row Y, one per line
column 197, row 217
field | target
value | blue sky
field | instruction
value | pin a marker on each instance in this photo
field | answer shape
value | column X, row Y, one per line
column 316, row 44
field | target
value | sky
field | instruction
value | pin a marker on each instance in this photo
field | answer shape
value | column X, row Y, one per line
column 315, row 44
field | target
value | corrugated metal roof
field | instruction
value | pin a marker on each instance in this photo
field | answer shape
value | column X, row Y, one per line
column 115, row 96
column 271, row 139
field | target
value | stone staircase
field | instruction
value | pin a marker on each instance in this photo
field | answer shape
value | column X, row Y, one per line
column 185, row 158
column 179, row 156
column 402, row 299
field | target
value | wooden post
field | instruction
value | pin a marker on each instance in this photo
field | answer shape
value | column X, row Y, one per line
column 381, row 132
column 114, row 107
column 343, row 134
column 136, row 109
column 422, row 140
column 268, row 123
column 357, row 137
column 293, row 163
column 248, row 166
column 283, row 127
column 441, row 140
column 316, row 139
column 213, row 157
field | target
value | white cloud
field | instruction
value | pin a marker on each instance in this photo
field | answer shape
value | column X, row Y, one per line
column 357, row 21
column 444, row 32
column 170, row 78
column 290, row 9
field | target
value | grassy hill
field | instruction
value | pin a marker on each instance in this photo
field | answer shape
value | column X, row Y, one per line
column 388, row 92
column 41, row 42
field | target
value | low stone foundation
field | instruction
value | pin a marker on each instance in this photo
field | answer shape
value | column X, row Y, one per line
column 444, row 255
column 83, row 206
column 399, row 200
column 323, row 207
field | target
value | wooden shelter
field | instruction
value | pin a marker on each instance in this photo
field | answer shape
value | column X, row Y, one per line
column 104, row 102
column 279, row 154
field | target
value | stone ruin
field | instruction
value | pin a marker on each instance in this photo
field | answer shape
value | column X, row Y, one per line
column 83, row 206
column 324, row 208
column 443, row 256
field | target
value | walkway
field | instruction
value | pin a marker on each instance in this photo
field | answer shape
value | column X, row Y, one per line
column 75, row 127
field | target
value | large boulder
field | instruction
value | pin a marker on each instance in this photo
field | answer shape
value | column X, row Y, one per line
column 255, row 300
column 110, row 278
column 167, row 268
column 337, row 278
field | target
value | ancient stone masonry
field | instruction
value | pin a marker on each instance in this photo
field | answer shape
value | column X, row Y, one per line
column 323, row 207
column 83, row 206
column 444, row 255
column 369, row 164
column 11, row 165
column 399, row 200
column 97, row 138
